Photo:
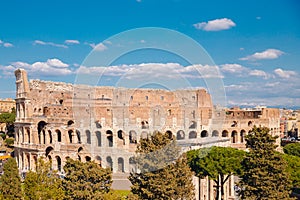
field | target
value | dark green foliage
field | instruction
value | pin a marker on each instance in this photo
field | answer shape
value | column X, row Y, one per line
column 218, row 163
column 3, row 135
column 43, row 184
column 264, row 170
column 86, row 180
column 8, row 119
column 164, row 173
column 292, row 149
column 9, row 142
column 10, row 186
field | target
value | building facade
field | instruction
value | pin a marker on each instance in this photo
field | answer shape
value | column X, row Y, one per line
column 59, row 121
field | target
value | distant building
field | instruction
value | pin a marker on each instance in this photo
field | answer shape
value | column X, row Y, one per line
column 6, row 105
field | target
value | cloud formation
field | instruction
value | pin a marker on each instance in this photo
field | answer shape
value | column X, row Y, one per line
column 72, row 42
column 97, row 47
column 215, row 25
column 264, row 55
column 40, row 42
column 52, row 67
column 284, row 73
column 5, row 44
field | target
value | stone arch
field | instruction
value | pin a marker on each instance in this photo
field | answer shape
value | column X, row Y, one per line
column 180, row 135
column 58, row 133
column 224, row 133
column 70, row 133
column 41, row 130
column 234, row 124
column 88, row 158
column 250, row 123
column 170, row 134
column 204, row 133
column 99, row 160
column 50, row 137
column 242, row 135
column 192, row 134
column 88, row 137
column 109, row 162
column 145, row 124
column 234, row 136
column 58, row 163
column 98, row 135
column 132, row 137
column 48, row 150
column 120, row 134
column 78, row 136
column 215, row 133
column 109, row 137
column 193, row 125
column 70, row 122
column 28, row 135
column 120, row 164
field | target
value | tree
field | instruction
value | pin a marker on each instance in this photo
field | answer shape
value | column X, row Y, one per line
column 86, row 180
column 8, row 119
column 292, row 149
column 218, row 163
column 163, row 173
column 10, row 186
column 264, row 170
column 43, row 184
column 293, row 169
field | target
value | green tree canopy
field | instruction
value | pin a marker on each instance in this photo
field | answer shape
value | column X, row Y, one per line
column 264, row 170
column 10, row 185
column 43, row 184
column 293, row 169
column 292, row 149
column 218, row 163
column 7, row 118
column 86, row 180
column 164, row 174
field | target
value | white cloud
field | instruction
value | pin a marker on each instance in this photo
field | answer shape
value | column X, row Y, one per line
column 7, row 44
column 265, row 55
column 215, row 25
column 97, row 47
column 233, row 68
column 72, row 42
column 52, row 67
column 284, row 73
column 259, row 73
column 39, row 42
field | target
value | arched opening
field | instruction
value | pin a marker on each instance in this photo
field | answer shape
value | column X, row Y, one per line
column 70, row 133
column 88, row 136
column 78, row 136
column 50, row 136
column 48, row 150
column 132, row 165
column 120, row 134
column 120, row 165
column 180, row 135
column 170, row 134
column 58, row 133
column 192, row 134
column 215, row 133
column 41, row 129
column 99, row 160
column 145, row 124
column 58, row 161
column 98, row 124
column 204, row 133
column 225, row 133
column 28, row 135
column 193, row 125
column 88, row 159
column 70, row 122
column 250, row 123
column 109, row 136
column 233, row 137
column 98, row 135
column 242, row 134
column 109, row 162
column 234, row 124
column 132, row 137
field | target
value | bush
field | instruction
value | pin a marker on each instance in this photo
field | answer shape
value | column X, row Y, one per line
column 9, row 142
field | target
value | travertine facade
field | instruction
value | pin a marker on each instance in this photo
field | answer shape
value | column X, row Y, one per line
column 59, row 120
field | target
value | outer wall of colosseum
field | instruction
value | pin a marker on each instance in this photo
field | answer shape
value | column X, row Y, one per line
column 104, row 124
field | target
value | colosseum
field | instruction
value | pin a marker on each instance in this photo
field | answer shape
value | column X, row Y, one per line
column 59, row 121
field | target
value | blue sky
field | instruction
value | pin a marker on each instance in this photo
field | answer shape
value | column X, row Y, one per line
column 255, row 45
